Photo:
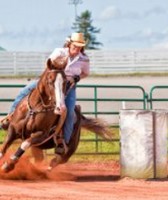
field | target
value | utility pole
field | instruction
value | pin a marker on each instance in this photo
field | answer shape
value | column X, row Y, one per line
column 75, row 3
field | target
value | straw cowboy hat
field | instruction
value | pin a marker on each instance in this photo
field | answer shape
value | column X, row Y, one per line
column 78, row 39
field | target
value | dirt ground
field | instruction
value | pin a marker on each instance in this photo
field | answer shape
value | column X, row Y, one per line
column 71, row 181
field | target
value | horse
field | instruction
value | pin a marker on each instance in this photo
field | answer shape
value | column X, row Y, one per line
column 38, row 112
column 39, row 118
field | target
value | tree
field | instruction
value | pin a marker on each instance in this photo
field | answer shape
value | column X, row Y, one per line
column 83, row 24
column 2, row 49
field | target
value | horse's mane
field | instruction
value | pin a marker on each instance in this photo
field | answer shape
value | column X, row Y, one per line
column 43, row 74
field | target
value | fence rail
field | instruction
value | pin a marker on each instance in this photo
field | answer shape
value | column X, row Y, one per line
column 101, row 62
column 163, row 98
column 98, row 101
column 97, row 98
column 98, row 94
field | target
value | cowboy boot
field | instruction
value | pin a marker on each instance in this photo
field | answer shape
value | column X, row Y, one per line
column 4, row 123
column 61, row 146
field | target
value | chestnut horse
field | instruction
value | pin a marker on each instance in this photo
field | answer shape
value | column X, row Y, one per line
column 39, row 118
column 36, row 114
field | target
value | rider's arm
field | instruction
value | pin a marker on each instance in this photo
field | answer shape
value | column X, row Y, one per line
column 85, row 69
column 83, row 75
column 58, row 52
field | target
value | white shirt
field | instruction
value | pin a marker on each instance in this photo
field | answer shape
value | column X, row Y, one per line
column 79, row 64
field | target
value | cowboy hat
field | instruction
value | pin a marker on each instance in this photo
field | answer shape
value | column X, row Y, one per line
column 78, row 39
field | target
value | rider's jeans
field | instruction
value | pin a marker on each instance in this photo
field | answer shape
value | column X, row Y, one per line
column 69, row 102
column 24, row 92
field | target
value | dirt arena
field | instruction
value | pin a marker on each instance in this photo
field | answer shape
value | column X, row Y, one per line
column 84, row 181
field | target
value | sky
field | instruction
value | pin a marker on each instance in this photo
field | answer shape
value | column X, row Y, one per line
column 42, row 25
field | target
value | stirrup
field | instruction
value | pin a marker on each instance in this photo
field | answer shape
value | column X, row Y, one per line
column 61, row 148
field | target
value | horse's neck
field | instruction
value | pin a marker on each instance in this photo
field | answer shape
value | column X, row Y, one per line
column 34, row 99
column 40, row 95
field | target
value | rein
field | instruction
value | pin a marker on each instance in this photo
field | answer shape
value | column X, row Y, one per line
column 45, row 108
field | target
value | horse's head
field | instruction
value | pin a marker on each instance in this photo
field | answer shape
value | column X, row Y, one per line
column 57, row 79
column 59, row 63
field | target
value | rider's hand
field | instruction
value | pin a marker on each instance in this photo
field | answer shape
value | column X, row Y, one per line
column 76, row 78
column 72, row 81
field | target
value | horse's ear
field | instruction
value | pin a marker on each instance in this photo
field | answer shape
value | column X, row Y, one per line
column 49, row 64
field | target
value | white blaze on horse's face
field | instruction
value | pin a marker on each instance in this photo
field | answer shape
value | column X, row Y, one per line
column 59, row 95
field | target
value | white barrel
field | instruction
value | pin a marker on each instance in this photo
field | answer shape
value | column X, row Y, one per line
column 143, row 140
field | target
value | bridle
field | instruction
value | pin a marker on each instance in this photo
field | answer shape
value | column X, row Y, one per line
column 51, row 105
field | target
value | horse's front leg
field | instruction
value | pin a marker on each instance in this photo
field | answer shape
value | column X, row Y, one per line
column 10, row 164
column 10, row 137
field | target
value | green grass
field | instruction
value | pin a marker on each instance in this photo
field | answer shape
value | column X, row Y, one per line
column 2, row 135
column 96, row 150
column 89, row 149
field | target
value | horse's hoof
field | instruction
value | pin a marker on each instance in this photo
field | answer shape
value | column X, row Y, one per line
column 8, row 166
column 49, row 169
column 55, row 161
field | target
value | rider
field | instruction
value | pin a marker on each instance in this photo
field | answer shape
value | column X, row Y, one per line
column 77, row 68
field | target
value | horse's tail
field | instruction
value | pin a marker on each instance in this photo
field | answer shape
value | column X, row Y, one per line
column 97, row 126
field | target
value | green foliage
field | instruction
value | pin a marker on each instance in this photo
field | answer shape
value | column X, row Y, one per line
column 2, row 49
column 83, row 24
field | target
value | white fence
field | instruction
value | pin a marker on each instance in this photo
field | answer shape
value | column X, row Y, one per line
column 101, row 62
